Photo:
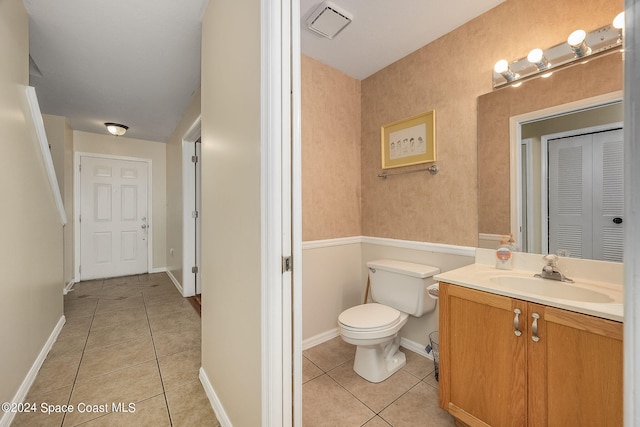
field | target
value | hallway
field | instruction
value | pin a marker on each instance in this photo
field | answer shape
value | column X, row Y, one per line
column 130, row 342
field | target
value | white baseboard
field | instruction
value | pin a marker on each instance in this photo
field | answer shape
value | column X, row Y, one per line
column 177, row 284
column 158, row 270
column 221, row 415
column 416, row 347
column 21, row 394
column 319, row 339
column 68, row 287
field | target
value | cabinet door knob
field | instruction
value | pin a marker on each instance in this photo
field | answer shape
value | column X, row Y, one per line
column 516, row 322
column 534, row 327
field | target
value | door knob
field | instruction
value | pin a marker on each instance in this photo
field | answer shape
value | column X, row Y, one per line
column 143, row 226
column 617, row 220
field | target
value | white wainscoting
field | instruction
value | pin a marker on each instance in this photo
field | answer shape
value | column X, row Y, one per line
column 335, row 277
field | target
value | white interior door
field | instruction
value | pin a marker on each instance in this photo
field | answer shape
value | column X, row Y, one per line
column 114, row 223
column 196, row 220
column 570, row 195
column 608, row 208
column 586, row 195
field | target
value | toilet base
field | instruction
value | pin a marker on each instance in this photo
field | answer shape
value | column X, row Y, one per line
column 376, row 363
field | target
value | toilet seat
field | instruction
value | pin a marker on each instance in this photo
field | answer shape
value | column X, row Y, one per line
column 369, row 317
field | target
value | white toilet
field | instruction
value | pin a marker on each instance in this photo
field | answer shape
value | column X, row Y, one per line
column 398, row 289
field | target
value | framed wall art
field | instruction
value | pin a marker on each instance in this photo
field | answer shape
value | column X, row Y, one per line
column 410, row 141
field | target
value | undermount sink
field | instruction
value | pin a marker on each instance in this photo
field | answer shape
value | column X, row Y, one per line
column 551, row 289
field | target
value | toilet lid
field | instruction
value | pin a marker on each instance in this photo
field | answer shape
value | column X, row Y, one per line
column 369, row 316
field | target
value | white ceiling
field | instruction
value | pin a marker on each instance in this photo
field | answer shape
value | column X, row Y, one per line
column 131, row 62
column 383, row 31
column 138, row 62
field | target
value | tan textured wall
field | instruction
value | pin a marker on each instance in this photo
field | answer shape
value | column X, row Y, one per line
column 448, row 75
column 597, row 77
column 330, row 152
column 174, row 188
column 31, row 252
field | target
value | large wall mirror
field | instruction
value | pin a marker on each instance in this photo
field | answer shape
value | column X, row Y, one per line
column 550, row 162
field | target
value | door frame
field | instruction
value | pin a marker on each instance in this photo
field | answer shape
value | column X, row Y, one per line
column 515, row 137
column 189, row 256
column 77, row 204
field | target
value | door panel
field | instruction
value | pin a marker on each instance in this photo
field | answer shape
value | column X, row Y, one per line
column 113, row 217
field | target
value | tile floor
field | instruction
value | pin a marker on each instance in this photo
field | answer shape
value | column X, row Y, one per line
column 334, row 395
column 127, row 340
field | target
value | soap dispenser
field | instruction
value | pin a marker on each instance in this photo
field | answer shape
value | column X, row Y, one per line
column 504, row 256
column 512, row 244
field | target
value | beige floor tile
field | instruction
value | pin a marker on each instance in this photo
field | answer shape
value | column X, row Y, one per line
column 180, row 368
column 114, row 318
column 122, row 280
column 119, row 291
column 154, row 277
column 309, row 370
column 418, row 407
column 176, row 340
column 330, row 354
column 103, row 337
column 167, row 305
column 85, row 288
column 120, row 303
column 431, row 380
column 128, row 385
column 417, row 364
column 148, row 413
column 77, row 326
column 379, row 422
column 376, row 396
column 40, row 418
column 56, row 372
column 67, row 343
column 325, row 403
column 159, row 293
column 80, row 307
column 186, row 319
column 102, row 360
column 189, row 406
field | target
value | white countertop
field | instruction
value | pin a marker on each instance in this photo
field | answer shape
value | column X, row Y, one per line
column 479, row 276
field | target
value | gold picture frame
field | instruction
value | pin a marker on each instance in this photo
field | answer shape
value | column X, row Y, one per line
column 410, row 141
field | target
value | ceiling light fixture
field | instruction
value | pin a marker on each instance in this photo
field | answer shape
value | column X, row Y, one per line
column 578, row 43
column 116, row 128
column 618, row 21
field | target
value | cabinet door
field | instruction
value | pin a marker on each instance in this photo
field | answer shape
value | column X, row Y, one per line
column 575, row 370
column 483, row 362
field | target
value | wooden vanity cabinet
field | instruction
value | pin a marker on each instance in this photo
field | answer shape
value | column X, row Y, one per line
column 564, row 371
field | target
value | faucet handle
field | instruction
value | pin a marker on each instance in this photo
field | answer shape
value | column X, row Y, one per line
column 550, row 259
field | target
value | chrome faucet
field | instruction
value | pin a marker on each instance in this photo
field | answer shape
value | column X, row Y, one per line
column 550, row 270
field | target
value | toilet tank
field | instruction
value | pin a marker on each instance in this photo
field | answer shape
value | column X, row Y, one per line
column 402, row 285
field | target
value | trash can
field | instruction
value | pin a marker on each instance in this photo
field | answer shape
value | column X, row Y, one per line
column 433, row 349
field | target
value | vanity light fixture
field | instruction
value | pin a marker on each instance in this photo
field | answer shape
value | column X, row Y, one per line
column 618, row 21
column 578, row 43
column 537, row 58
column 502, row 68
column 580, row 46
column 116, row 129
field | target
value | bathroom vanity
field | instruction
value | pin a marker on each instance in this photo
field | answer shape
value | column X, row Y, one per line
column 522, row 351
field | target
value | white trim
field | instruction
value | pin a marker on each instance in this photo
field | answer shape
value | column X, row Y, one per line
column 38, row 123
column 316, row 244
column 491, row 237
column 188, row 202
column 416, row 347
column 631, row 339
column 422, row 246
column 528, row 144
column 515, row 135
column 68, row 287
column 21, row 394
column 320, row 338
column 175, row 282
column 77, row 207
column 216, row 404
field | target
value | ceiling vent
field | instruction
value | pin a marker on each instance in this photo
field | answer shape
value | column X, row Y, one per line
column 328, row 20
